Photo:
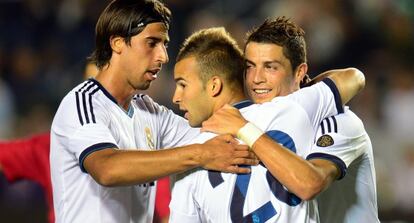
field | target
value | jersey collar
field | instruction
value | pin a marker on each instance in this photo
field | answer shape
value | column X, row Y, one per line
column 129, row 112
column 242, row 104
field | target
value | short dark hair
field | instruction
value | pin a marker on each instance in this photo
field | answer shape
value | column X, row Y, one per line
column 285, row 33
column 217, row 53
column 125, row 18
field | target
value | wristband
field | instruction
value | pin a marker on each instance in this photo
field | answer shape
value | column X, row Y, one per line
column 249, row 133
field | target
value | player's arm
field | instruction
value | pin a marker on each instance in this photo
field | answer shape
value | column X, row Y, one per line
column 114, row 167
column 349, row 81
column 303, row 178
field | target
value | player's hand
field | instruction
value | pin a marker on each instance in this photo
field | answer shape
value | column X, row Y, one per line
column 226, row 120
column 224, row 153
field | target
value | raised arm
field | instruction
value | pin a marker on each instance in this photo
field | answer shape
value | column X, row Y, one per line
column 349, row 81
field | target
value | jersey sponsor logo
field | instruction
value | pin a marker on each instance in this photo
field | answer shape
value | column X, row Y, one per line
column 148, row 135
column 325, row 141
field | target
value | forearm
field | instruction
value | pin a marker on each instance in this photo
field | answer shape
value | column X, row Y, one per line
column 111, row 167
column 300, row 176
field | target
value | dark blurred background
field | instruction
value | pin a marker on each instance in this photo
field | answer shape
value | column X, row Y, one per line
column 44, row 44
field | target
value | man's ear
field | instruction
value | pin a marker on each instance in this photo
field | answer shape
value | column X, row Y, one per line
column 300, row 75
column 215, row 86
column 117, row 43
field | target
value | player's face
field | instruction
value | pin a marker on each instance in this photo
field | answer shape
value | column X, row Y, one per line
column 190, row 93
column 143, row 59
column 268, row 72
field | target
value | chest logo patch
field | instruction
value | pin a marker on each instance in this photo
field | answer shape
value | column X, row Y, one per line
column 325, row 141
column 150, row 141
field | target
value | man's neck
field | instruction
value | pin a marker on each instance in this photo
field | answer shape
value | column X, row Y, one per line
column 117, row 87
column 230, row 98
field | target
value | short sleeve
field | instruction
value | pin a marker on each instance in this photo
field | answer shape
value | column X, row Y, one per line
column 88, row 139
column 82, row 128
column 340, row 139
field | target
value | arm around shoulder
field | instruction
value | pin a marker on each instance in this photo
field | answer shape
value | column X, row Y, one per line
column 306, row 179
column 349, row 81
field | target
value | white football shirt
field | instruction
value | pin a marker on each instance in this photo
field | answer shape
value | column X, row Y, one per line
column 89, row 119
column 354, row 197
column 208, row 196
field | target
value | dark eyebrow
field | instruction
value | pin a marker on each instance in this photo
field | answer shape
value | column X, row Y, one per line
column 157, row 39
column 179, row 79
column 266, row 62
column 248, row 61
column 273, row 61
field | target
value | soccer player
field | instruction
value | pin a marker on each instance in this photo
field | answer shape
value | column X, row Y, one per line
column 105, row 138
column 208, row 75
column 341, row 159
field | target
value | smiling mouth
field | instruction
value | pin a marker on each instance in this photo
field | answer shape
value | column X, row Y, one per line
column 261, row 91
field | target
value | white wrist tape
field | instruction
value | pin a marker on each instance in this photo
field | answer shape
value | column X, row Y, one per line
column 249, row 133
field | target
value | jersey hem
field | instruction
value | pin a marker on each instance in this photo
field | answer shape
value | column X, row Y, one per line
column 337, row 161
column 91, row 149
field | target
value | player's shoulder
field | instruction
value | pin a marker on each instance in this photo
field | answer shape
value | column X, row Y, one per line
column 350, row 119
column 73, row 98
column 283, row 104
column 84, row 91
column 82, row 103
column 347, row 123
column 146, row 103
column 324, row 87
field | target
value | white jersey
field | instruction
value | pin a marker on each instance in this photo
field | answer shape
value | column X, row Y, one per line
column 353, row 198
column 208, row 196
column 88, row 120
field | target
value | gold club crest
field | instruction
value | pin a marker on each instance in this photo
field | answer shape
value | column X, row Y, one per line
column 325, row 141
column 148, row 135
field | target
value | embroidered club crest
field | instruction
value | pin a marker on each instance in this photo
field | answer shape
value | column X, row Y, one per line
column 150, row 141
column 325, row 141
